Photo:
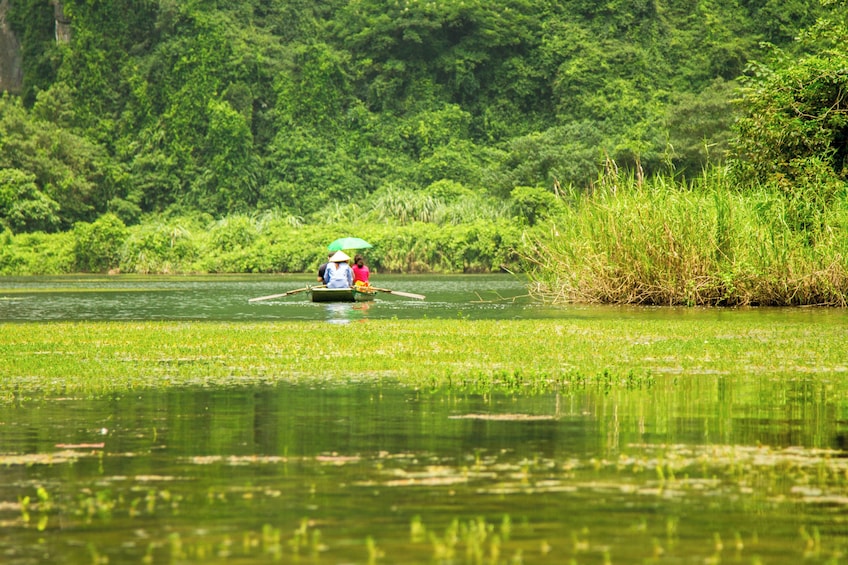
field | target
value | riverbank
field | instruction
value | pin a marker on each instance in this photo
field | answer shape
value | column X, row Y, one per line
column 627, row 241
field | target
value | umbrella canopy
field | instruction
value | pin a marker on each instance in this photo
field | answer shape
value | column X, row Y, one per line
column 349, row 243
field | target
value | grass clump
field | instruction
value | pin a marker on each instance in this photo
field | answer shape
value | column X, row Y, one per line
column 660, row 242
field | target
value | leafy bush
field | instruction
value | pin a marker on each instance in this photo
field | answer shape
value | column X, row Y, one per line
column 233, row 233
column 45, row 254
column 159, row 248
column 97, row 246
column 23, row 207
column 533, row 204
column 794, row 131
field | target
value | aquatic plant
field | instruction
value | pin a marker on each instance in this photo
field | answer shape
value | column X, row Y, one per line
column 35, row 359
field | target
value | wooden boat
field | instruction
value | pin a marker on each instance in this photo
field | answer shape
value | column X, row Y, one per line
column 355, row 294
column 342, row 294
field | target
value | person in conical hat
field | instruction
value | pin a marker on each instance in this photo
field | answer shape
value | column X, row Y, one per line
column 338, row 273
column 323, row 267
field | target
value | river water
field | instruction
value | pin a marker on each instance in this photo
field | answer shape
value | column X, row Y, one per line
column 713, row 469
column 227, row 298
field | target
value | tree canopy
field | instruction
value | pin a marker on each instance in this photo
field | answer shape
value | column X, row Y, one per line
column 294, row 106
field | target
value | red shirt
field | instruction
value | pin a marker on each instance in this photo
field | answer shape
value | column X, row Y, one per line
column 360, row 273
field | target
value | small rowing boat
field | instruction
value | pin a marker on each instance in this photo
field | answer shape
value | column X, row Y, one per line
column 359, row 293
column 322, row 294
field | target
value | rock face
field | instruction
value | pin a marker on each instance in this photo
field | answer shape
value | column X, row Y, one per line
column 63, row 24
column 11, row 58
column 11, row 71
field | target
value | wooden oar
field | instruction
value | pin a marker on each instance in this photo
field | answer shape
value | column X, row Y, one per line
column 399, row 293
column 295, row 291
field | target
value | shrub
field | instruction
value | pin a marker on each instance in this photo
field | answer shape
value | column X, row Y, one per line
column 97, row 245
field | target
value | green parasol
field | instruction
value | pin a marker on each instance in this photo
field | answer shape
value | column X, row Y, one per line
column 349, row 243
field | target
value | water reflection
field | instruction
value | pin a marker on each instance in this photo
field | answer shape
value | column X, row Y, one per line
column 346, row 312
column 296, row 472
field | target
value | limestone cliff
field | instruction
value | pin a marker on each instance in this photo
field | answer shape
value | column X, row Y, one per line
column 63, row 24
column 11, row 58
column 11, row 71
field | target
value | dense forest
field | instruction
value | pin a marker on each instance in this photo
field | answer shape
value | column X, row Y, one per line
column 165, row 135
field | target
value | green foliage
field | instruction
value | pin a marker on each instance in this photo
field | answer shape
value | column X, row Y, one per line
column 699, row 127
column 781, row 19
column 34, row 24
column 795, row 110
column 436, row 124
column 97, row 246
column 461, row 51
column 427, row 247
column 36, row 253
column 794, row 131
column 533, row 204
column 315, row 91
column 160, row 248
column 293, row 105
column 23, row 207
column 68, row 170
column 559, row 155
column 310, row 171
column 233, row 233
column 230, row 177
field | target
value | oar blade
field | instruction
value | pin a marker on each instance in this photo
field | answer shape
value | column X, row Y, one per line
column 400, row 293
column 409, row 294
column 272, row 296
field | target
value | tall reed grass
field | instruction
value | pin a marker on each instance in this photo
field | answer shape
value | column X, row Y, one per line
column 663, row 242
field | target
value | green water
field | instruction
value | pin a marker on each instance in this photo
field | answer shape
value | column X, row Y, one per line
column 692, row 473
column 226, row 297
column 685, row 469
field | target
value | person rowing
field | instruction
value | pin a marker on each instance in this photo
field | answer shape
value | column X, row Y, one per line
column 323, row 268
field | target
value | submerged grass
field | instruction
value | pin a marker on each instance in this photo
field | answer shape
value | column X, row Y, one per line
column 518, row 355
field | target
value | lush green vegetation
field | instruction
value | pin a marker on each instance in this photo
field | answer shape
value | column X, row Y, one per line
column 189, row 137
column 704, row 242
column 113, row 357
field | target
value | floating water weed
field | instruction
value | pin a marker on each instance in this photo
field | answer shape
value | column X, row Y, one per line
column 417, row 531
column 175, row 547
column 658, row 549
column 23, row 503
column 738, row 544
column 506, row 527
column 718, row 544
column 116, row 356
column 812, row 542
column 580, row 541
column 96, row 557
column 374, row 552
column 671, row 526
column 243, row 465
column 272, row 541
